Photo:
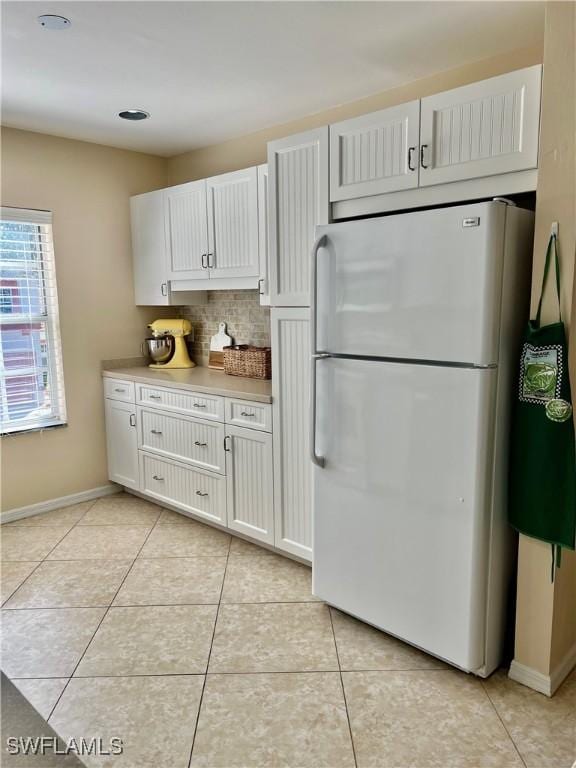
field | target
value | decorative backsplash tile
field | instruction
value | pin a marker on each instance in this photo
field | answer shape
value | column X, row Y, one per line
column 246, row 320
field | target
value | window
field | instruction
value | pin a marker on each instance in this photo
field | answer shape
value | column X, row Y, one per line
column 31, row 380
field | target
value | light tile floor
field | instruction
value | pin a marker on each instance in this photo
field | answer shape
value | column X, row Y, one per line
column 121, row 619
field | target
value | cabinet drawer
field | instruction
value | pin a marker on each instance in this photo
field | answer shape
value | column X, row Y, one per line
column 205, row 406
column 245, row 413
column 118, row 389
column 194, row 441
column 194, row 490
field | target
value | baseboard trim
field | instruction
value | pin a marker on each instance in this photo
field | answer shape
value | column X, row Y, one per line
column 63, row 501
column 546, row 684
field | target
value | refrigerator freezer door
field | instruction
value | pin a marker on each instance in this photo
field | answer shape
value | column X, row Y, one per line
column 402, row 506
column 420, row 286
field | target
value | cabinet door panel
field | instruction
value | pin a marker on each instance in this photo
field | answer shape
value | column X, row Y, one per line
column 233, row 224
column 249, row 483
column 375, row 153
column 482, row 129
column 122, row 443
column 290, row 403
column 187, row 230
column 297, row 203
column 263, row 235
column 149, row 253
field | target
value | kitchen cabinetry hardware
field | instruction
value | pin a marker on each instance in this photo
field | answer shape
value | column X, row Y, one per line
column 201, row 493
column 226, row 448
column 157, row 477
column 411, row 151
column 132, row 419
column 155, row 431
column 261, row 286
column 245, row 413
column 199, row 405
column 199, row 444
column 164, row 289
column 119, row 389
column 422, row 148
column 155, row 397
column 209, row 262
column 203, row 261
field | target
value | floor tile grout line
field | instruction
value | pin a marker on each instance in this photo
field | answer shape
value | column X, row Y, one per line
column 209, row 655
column 11, row 595
column 495, row 708
column 342, row 687
column 101, row 620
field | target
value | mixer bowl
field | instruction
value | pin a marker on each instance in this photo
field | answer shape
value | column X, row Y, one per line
column 160, row 348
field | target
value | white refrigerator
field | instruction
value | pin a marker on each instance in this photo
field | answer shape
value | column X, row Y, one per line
column 416, row 324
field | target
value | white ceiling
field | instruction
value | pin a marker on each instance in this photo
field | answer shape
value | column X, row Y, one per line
column 210, row 71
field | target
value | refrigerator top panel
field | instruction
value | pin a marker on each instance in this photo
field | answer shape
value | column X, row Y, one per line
column 424, row 285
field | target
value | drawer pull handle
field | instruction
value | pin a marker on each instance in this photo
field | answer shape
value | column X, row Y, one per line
column 199, row 444
column 226, row 444
column 132, row 419
column 119, row 389
column 199, row 405
column 157, row 477
column 155, row 431
column 155, row 397
column 201, row 493
column 245, row 413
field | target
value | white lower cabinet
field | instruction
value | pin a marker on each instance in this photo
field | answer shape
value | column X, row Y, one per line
column 194, row 490
column 290, row 408
column 249, row 482
column 122, row 443
column 218, row 467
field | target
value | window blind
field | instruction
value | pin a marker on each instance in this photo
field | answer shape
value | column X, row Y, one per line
column 31, row 378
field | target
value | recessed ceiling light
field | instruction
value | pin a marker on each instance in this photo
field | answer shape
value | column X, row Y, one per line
column 134, row 114
column 50, row 21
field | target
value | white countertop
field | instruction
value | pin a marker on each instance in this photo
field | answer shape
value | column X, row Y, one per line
column 199, row 379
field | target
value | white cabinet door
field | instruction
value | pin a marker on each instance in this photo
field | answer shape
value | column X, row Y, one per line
column 482, row 129
column 290, row 403
column 187, row 231
column 249, row 483
column 298, row 201
column 233, row 224
column 375, row 153
column 263, row 234
column 149, row 254
column 122, row 443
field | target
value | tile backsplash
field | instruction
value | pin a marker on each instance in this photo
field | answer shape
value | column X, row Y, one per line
column 247, row 322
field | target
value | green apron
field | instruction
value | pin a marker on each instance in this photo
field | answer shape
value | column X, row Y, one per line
column 542, row 462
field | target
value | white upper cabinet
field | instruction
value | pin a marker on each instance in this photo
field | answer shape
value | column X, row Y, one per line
column 486, row 128
column 187, row 231
column 375, row 153
column 233, row 224
column 149, row 254
column 298, row 201
column 263, row 235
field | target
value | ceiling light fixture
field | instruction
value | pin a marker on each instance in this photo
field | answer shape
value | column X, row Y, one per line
column 51, row 21
column 134, row 114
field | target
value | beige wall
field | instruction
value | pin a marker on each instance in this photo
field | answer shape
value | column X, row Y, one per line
column 87, row 187
column 251, row 149
column 546, row 613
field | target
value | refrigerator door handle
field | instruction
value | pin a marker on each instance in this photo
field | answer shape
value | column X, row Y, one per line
column 320, row 242
column 320, row 461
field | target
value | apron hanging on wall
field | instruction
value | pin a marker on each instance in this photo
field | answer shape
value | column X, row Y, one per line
column 542, row 500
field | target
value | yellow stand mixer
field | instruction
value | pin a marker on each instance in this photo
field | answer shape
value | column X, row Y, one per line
column 168, row 346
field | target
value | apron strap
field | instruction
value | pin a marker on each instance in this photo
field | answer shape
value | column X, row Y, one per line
column 552, row 244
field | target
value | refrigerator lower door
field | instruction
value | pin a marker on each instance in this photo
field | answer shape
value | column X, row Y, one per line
column 402, row 505
column 424, row 285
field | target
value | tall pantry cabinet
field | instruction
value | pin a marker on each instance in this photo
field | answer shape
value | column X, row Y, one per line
column 298, row 202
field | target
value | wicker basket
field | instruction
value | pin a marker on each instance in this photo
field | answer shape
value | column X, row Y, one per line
column 244, row 360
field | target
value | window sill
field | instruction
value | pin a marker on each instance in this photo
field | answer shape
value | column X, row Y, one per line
column 28, row 430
